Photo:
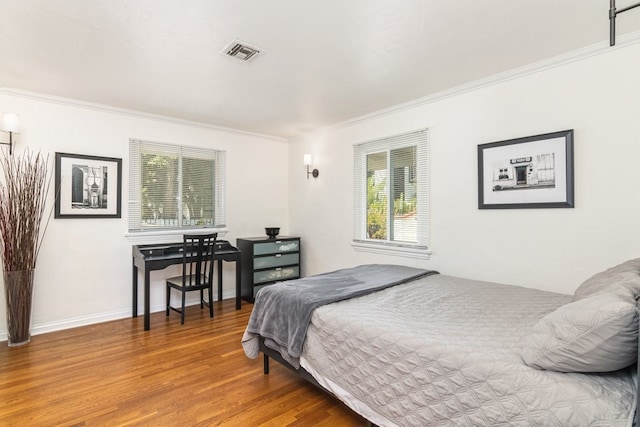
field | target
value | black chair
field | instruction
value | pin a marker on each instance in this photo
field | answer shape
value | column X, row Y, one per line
column 197, row 271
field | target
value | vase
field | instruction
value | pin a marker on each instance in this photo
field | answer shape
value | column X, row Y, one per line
column 18, row 292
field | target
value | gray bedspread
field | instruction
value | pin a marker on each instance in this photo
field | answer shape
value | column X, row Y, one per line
column 282, row 312
column 444, row 351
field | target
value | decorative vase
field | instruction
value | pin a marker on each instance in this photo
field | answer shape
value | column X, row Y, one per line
column 18, row 292
column 272, row 232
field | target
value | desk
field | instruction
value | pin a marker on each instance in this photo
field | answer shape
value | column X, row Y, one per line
column 158, row 257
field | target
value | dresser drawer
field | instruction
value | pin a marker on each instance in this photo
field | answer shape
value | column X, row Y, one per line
column 266, row 261
column 276, row 247
column 276, row 274
column 276, row 260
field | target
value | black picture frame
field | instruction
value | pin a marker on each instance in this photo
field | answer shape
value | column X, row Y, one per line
column 88, row 186
column 530, row 172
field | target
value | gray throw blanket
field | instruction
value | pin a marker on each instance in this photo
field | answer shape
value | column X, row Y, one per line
column 282, row 312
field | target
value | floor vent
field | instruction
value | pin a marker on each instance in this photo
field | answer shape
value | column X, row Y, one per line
column 241, row 50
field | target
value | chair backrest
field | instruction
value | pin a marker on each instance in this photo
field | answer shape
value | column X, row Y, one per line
column 197, row 258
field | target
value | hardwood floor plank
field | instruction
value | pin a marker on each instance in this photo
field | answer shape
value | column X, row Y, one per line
column 195, row 374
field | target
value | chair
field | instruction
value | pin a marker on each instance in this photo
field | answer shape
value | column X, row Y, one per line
column 197, row 271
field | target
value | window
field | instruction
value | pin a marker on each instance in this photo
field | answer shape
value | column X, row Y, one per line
column 391, row 193
column 175, row 187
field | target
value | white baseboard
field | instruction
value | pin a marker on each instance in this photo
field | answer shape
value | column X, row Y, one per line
column 75, row 322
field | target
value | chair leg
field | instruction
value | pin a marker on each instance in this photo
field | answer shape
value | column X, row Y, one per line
column 182, row 311
column 168, row 298
column 201, row 299
column 210, row 301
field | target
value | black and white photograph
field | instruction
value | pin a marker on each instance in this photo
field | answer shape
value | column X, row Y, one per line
column 529, row 172
column 88, row 186
column 522, row 173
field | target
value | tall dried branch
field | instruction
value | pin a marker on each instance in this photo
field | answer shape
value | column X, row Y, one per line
column 22, row 207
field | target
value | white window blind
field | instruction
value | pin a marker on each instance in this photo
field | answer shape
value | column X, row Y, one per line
column 391, row 191
column 175, row 187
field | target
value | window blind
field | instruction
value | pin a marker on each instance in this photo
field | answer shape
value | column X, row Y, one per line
column 175, row 187
column 391, row 190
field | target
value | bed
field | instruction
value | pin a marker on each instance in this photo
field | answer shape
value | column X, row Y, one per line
column 412, row 347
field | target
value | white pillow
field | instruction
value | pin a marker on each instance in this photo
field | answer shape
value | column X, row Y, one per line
column 595, row 334
column 625, row 275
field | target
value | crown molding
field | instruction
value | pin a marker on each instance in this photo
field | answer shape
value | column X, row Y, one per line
column 515, row 73
column 126, row 112
column 600, row 48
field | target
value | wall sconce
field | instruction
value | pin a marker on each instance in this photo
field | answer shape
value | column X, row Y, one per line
column 308, row 162
column 10, row 123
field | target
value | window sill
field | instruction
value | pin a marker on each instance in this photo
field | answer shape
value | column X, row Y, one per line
column 391, row 249
column 168, row 236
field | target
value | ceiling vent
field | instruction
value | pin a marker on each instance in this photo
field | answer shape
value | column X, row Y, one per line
column 241, row 50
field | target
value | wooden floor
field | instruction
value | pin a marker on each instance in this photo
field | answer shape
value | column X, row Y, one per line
column 116, row 374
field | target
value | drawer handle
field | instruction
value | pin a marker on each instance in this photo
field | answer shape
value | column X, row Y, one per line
column 278, row 255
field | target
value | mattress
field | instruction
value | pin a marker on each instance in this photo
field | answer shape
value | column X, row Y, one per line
column 282, row 312
column 445, row 351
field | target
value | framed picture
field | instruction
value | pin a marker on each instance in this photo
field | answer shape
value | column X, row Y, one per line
column 88, row 186
column 531, row 172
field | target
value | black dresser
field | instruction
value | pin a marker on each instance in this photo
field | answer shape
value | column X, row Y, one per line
column 266, row 261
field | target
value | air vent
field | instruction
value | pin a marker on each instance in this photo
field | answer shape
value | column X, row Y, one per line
column 242, row 51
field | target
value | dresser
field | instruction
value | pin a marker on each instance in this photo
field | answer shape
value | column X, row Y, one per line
column 266, row 261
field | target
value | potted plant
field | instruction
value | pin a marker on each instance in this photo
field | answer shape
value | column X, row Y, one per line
column 23, row 193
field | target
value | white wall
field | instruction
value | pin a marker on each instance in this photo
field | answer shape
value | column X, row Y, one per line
column 553, row 249
column 84, row 268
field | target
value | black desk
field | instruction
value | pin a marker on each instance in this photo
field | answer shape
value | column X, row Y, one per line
column 158, row 257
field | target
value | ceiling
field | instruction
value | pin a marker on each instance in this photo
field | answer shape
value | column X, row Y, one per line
column 323, row 61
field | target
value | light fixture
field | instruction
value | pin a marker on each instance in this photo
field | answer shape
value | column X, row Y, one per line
column 308, row 161
column 10, row 123
column 613, row 13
